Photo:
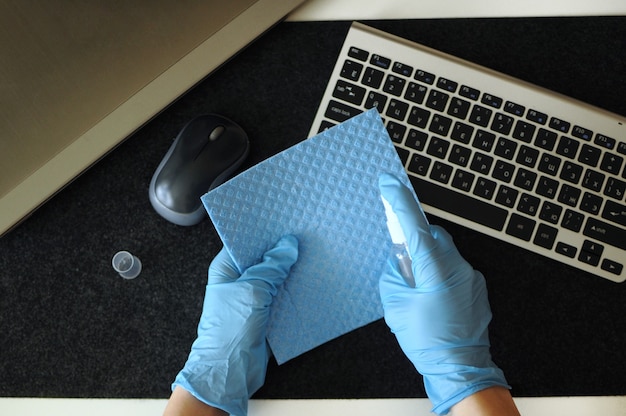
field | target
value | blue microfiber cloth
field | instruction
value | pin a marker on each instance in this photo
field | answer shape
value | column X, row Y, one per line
column 324, row 191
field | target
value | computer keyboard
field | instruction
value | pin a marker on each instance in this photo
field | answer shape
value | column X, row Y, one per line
column 493, row 153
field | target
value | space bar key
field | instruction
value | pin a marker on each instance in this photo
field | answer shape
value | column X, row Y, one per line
column 458, row 204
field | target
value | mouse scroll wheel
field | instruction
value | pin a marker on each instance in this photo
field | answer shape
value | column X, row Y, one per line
column 216, row 133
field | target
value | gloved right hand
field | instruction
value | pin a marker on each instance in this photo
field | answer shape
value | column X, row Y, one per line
column 441, row 324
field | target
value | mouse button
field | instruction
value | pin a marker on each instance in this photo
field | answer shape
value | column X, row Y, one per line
column 217, row 132
column 179, row 193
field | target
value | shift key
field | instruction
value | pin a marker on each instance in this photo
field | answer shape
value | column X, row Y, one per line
column 606, row 233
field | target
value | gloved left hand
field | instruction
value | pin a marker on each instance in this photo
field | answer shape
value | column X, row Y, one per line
column 228, row 360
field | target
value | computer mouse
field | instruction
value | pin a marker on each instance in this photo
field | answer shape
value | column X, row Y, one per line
column 204, row 154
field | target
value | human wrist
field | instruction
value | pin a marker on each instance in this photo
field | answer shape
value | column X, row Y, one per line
column 446, row 390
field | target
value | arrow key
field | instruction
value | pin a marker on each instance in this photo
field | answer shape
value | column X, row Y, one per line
column 566, row 250
column 593, row 247
column 589, row 258
column 612, row 266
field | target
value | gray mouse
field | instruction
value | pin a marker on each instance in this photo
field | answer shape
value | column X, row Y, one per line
column 204, row 154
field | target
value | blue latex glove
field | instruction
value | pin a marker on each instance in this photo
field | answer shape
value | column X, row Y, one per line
column 441, row 324
column 228, row 360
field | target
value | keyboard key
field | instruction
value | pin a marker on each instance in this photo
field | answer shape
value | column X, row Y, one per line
column 506, row 196
column 605, row 141
column 416, row 139
column 550, row 212
column 582, row 133
column 460, row 155
column 505, row 148
column 569, row 195
column 351, row 70
column 549, row 164
column 572, row 220
column 418, row 117
column 607, row 233
column 469, row 92
column 396, row 131
column 589, row 155
column 380, row 61
column 446, row 84
column 545, row 236
column 394, row 85
column 593, row 180
column 611, row 163
column 424, row 76
column 437, row 100
column 419, row 164
column 589, row 258
column 566, row 250
column 612, row 266
column 513, row 108
column 502, row 123
column 415, row 92
column 372, row 77
column 567, row 147
column 458, row 108
column 438, row 147
column 376, row 100
column 560, row 125
column 481, row 163
column 547, row 187
column 536, row 116
column 357, row 53
column 462, row 132
column 349, row 92
column 459, row 204
column 621, row 148
column 491, row 100
column 403, row 154
column 528, row 204
column 485, row 188
column 463, row 180
column 571, row 172
column 397, row 109
column 340, row 112
column 524, row 131
column 441, row 172
column 592, row 247
column 440, row 125
column 591, row 203
column 527, row 156
column 525, row 179
column 402, row 69
column 615, row 212
column 615, row 188
column 520, row 227
column 545, row 139
column 503, row 171
column 484, row 140
column 480, row 115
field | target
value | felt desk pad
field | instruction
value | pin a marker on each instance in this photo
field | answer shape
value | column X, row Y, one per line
column 324, row 191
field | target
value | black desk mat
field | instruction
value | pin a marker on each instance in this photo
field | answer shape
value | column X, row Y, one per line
column 70, row 327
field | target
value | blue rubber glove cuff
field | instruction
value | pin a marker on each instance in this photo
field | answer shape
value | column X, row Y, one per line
column 228, row 360
column 442, row 323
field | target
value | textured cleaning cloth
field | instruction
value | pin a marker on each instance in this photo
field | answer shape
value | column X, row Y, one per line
column 324, row 191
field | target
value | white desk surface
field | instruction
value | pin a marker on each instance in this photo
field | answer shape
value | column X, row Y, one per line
column 408, row 9
column 355, row 10
column 553, row 406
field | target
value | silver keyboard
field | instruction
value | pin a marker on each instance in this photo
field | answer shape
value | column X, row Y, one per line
column 488, row 151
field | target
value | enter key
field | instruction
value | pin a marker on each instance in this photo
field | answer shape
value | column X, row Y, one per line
column 615, row 212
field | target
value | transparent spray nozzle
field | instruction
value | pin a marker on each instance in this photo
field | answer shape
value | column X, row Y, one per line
column 399, row 248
